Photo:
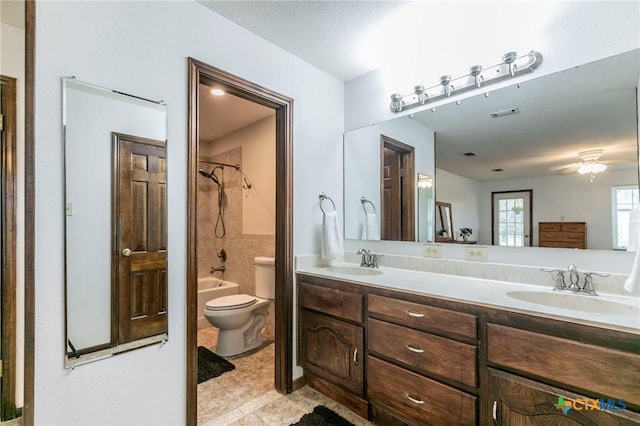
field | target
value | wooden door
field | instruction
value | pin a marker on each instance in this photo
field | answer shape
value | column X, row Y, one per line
column 397, row 189
column 333, row 350
column 8, row 231
column 513, row 400
column 140, row 244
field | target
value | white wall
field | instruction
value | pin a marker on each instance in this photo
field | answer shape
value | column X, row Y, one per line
column 464, row 196
column 12, row 65
column 571, row 34
column 142, row 48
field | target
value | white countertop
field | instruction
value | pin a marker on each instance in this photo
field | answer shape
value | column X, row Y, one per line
column 623, row 315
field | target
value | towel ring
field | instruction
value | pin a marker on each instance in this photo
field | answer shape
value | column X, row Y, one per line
column 323, row 197
column 365, row 201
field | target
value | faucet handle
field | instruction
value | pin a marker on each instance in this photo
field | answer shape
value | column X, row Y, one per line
column 588, row 282
column 374, row 260
column 559, row 278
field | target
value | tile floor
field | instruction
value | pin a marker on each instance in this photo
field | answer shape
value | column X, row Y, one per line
column 245, row 396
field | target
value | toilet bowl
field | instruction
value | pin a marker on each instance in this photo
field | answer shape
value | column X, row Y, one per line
column 241, row 317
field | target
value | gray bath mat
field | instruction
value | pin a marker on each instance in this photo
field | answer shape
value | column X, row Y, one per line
column 211, row 365
column 322, row 416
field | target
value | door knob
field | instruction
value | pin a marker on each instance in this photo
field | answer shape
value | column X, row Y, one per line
column 126, row 252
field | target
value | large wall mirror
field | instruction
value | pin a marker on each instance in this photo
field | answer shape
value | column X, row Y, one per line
column 116, row 221
column 532, row 139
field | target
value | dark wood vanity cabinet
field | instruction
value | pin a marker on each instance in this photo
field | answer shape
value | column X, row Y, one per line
column 422, row 363
column 514, row 400
column 331, row 340
column 398, row 358
column 610, row 376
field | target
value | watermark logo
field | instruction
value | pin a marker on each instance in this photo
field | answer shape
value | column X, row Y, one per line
column 580, row 404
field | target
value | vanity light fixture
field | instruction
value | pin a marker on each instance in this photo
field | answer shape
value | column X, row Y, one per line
column 217, row 92
column 511, row 66
column 424, row 181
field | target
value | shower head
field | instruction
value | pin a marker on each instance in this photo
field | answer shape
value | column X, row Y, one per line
column 211, row 175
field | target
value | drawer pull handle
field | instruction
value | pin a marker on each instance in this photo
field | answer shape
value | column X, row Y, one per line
column 412, row 349
column 415, row 314
column 355, row 356
column 415, row 400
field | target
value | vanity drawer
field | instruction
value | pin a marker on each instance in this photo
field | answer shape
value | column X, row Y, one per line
column 429, row 353
column 612, row 373
column 417, row 398
column 333, row 301
column 423, row 317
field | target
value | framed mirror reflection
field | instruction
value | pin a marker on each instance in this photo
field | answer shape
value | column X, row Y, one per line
column 570, row 137
column 116, row 221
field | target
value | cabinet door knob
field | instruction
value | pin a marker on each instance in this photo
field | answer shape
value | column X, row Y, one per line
column 355, row 356
column 415, row 400
column 126, row 252
column 415, row 314
column 412, row 349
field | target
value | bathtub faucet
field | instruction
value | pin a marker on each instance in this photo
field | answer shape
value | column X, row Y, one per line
column 216, row 269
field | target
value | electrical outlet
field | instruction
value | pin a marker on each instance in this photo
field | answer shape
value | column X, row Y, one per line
column 479, row 254
column 431, row 250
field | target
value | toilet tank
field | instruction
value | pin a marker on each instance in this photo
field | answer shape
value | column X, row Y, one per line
column 265, row 277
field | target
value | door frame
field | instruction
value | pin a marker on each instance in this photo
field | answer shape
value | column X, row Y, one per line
column 530, row 212
column 199, row 72
column 408, row 208
column 9, row 208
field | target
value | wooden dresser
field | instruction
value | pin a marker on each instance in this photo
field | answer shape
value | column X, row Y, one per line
column 563, row 234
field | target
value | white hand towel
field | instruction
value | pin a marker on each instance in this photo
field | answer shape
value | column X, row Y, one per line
column 332, row 245
column 634, row 230
column 371, row 226
column 632, row 285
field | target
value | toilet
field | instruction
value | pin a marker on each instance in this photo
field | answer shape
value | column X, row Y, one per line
column 241, row 317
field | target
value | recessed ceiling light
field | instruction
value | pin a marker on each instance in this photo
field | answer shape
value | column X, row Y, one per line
column 217, row 92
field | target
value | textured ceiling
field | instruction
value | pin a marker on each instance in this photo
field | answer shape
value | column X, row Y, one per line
column 326, row 34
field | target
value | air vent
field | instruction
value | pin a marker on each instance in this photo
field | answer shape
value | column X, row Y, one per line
column 497, row 170
column 469, row 154
column 505, row 112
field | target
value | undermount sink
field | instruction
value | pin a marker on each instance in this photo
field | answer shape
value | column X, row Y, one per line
column 354, row 270
column 575, row 302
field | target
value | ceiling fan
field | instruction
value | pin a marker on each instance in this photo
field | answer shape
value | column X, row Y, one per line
column 590, row 164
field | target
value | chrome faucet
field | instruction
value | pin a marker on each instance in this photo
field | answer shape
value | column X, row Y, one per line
column 220, row 268
column 574, row 280
column 366, row 257
column 369, row 259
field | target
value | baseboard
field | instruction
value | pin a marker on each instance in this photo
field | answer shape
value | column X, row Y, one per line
column 298, row 383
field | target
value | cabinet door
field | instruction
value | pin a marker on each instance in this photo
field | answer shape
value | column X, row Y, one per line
column 513, row 400
column 332, row 349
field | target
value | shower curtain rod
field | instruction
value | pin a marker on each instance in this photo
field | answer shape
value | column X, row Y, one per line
column 235, row 166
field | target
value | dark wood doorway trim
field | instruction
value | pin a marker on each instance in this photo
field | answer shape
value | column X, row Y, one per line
column 200, row 72
column 9, row 230
column 407, row 191
column 28, row 416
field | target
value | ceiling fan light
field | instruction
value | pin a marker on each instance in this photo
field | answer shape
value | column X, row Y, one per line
column 592, row 168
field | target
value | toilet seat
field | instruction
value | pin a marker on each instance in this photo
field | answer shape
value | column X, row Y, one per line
column 235, row 301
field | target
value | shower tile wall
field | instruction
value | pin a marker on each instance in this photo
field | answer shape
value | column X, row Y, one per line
column 241, row 248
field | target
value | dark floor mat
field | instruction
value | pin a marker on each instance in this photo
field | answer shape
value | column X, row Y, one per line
column 211, row 365
column 322, row 416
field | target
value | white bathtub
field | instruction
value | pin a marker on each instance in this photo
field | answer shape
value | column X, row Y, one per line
column 210, row 288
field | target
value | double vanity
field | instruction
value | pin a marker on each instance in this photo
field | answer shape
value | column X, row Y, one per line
column 406, row 346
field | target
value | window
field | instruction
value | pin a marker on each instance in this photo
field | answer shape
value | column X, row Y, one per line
column 623, row 200
column 512, row 218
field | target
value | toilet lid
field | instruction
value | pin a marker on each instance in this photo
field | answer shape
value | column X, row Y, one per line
column 235, row 301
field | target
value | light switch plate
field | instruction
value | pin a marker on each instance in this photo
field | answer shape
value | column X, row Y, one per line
column 431, row 250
